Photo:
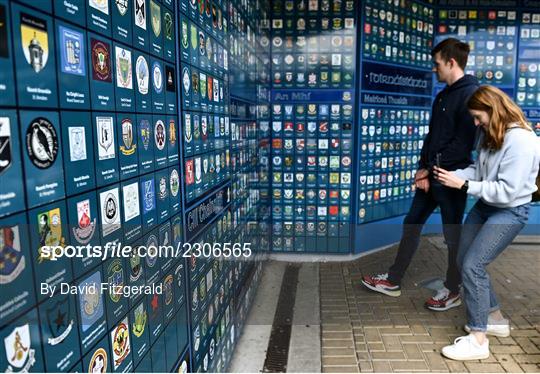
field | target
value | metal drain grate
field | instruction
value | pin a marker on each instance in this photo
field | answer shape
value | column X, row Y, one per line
column 278, row 344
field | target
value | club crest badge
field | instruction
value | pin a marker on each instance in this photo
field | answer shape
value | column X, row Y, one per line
column 124, row 77
column 19, row 353
column 135, row 268
column 144, row 128
column 168, row 289
column 110, row 215
column 72, row 53
column 86, row 226
column 149, row 195
column 101, row 61
column 202, row 84
column 157, row 75
column 195, row 83
column 172, row 132
column 12, row 262
column 140, row 14
column 127, row 148
column 168, row 26
column 185, row 39
column 34, row 41
column 174, row 182
column 105, row 136
column 59, row 321
column 90, row 303
column 115, row 277
column 188, row 136
column 140, row 321
column 160, row 134
column 6, row 157
column 42, row 143
column 163, row 192
column 190, row 177
column 196, row 127
column 170, row 82
column 98, row 363
column 151, row 242
column 49, row 230
column 198, row 170
column 143, row 75
column 130, row 194
column 155, row 16
column 77, row 143
column 122, row 6
column 101, row 5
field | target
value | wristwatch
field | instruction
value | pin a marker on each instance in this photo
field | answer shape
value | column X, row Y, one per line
column 465, row 186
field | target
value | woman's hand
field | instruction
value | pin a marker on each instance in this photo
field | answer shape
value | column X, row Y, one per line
column 447, row 178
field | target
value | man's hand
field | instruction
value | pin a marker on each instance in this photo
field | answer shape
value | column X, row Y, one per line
column 421, row 179
column 421, row 174
column 448, row 179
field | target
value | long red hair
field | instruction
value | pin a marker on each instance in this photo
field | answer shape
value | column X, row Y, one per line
column 502, row 112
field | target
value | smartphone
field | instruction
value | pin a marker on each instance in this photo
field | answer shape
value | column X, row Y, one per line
column 438, row 160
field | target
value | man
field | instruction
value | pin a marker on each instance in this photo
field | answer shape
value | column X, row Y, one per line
column 448, row 145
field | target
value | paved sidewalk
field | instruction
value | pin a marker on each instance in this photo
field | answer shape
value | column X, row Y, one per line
column 366, row 331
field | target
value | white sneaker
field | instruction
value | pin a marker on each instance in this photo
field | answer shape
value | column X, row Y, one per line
column 496, row 328
column 466, row 348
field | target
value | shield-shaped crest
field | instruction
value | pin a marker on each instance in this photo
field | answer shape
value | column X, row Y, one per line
column 5, row 144
column 155, row 15
column 127, row 133
column 123, row 68
column 205, row 165
column 140, row 320
column 185, row 43
column 10, row 248
column 105, row 136
column 198, row 170
column 18, row 351
column 288, row 110
column 144, row 128
column 122, row 6
column 86, row 226
column 58, row 321
column 187, row 128
column 204, row 127
column 202, row 84
column 218, row 163
column 77, row 144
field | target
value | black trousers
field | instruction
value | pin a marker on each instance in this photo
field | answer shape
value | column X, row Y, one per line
column 452, row 205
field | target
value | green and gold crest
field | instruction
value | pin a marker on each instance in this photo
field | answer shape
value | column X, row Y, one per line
column 155, row 16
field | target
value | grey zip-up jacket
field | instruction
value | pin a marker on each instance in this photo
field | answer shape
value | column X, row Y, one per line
column 505, row 178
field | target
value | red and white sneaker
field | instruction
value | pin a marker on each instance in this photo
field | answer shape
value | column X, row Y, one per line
column 380, row 283
column 443, row 300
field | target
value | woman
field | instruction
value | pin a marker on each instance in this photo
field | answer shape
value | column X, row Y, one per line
column 503, row 178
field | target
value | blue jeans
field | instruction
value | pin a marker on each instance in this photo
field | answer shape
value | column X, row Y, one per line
column 487, row 232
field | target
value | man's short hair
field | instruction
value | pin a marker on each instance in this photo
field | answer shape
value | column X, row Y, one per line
column 453, row 48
